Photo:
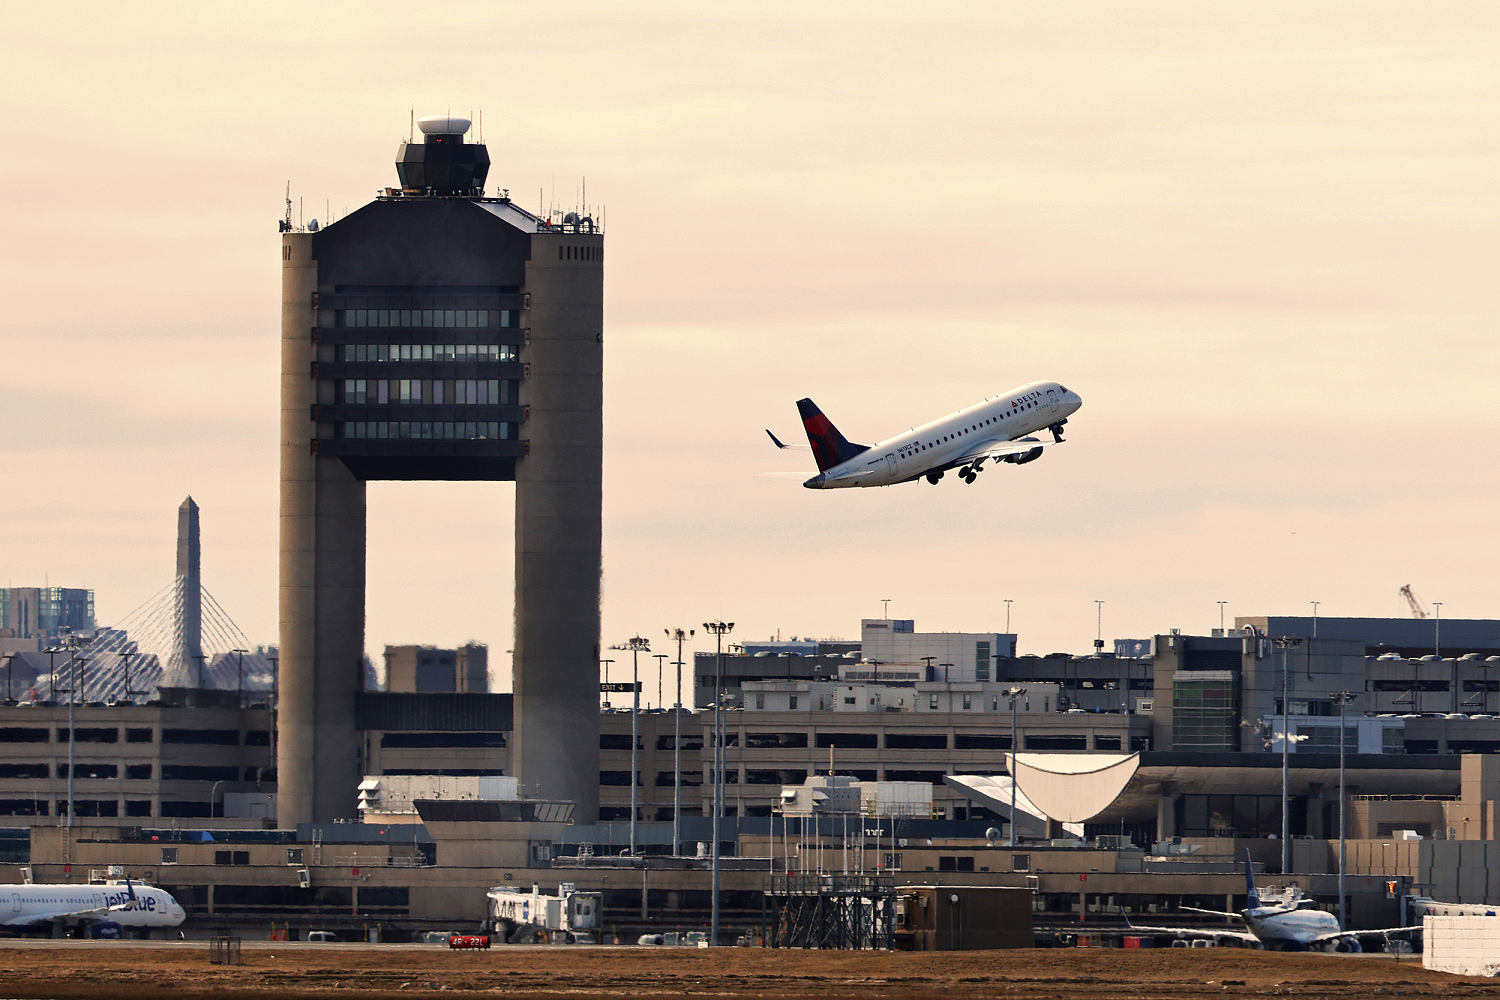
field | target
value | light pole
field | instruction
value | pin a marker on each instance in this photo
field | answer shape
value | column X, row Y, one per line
column 1341, row 698
column 52, row 673
column 125, row 666
column 885, row 607
column 275, row 696
column 1284, row 643
column 927, row 662
column 719, row 630
column 1315, row 617
column 661, row 673
column 1013, row 693
column 679, row 635
column 72, row 728
column 1008, row 603
column 1099, row 638
column 1437, row 628
column 240, row 684
column 636, row 644
column 1221, row 614
column 606, row 664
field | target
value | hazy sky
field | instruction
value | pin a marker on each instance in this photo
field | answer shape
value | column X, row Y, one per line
column 1261, row 242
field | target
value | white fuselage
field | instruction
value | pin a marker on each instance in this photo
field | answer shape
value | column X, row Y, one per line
column 1297, row 927
column 944, row 442
column 152, row 907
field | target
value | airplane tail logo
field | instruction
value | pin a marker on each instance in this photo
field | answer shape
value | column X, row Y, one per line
column 829, row 447
column 1252, row 898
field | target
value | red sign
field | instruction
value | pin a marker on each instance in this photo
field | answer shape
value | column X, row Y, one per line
column 468, row 941
column 1083, row 878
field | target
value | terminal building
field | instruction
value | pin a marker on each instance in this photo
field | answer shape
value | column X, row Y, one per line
column 1207, row 775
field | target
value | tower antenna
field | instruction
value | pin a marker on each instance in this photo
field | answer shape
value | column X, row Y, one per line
column 287, row 226
column 411, row 129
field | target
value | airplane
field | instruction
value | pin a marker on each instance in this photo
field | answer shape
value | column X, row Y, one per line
column 132, row 905
column 1283, row 922
column 998, row 428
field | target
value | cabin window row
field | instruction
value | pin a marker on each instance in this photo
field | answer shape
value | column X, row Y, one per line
column 427, row 391
column 923, row 446
column 428, row 430
column 428, row 317
column 464, row 353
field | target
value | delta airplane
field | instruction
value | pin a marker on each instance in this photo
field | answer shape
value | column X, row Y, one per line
column 1283, row 922
column 997, row 428
column 133, row 905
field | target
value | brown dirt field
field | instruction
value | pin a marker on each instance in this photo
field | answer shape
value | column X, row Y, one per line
column 106, row 969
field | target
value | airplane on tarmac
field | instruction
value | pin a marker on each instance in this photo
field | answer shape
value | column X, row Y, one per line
column 996, row 428
column 132, row 905
column 1283, row 922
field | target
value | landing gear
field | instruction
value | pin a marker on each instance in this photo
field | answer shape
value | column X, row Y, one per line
column 1056, row 430
column 969, row 473
column 933, row 477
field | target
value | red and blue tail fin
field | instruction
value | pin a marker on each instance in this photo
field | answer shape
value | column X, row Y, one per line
column 829, row 447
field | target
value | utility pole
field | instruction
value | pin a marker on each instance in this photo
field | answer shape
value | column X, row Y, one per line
column 1284, row 643
column 679, row 635
column 636, row 644
column 1013, row 693
column 719, row 630
column 1342, row 698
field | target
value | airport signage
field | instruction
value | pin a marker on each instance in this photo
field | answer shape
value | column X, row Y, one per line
column 615, row 686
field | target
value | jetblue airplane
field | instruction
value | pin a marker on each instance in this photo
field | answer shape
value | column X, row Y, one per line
column 132, row 905
column 997, row 428
column 1284, row 922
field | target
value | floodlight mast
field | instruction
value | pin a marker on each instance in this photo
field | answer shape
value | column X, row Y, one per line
column 1012, row 693
column 719, row 629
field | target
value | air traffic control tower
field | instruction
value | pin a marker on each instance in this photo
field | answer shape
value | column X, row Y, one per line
column 438, row 334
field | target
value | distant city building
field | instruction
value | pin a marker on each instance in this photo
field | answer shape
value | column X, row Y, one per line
column 46, row 613
column 428, row 669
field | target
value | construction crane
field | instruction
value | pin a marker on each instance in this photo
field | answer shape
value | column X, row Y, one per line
column 1417, row 611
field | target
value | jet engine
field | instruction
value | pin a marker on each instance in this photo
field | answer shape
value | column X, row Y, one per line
column 1024, row 457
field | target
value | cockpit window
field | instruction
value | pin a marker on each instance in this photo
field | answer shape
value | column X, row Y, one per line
column 1062, row 388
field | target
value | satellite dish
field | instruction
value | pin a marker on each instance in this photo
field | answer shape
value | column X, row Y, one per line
column 992, row 835
column 312, row 225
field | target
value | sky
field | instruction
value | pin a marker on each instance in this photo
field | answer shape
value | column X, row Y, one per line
column 1259, row 241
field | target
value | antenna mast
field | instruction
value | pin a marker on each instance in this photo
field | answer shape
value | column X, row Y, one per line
column 287, row 225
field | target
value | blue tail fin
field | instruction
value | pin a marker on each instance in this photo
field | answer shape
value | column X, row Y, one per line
column 829, row 447
column 1252, row 898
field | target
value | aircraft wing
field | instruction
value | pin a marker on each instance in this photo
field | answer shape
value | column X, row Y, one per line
column 1212, row 913
column 59, row 913
column 1243, row 937
column 999, row 448
column 1374, row 932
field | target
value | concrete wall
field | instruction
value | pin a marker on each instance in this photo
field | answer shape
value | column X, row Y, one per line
column 555, row 750
column 1465, row 946
column 322, row 577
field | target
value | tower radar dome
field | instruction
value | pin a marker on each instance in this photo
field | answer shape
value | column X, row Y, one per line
column 443, row 125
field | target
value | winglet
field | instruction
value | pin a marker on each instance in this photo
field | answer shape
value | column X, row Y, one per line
column 773, row 438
